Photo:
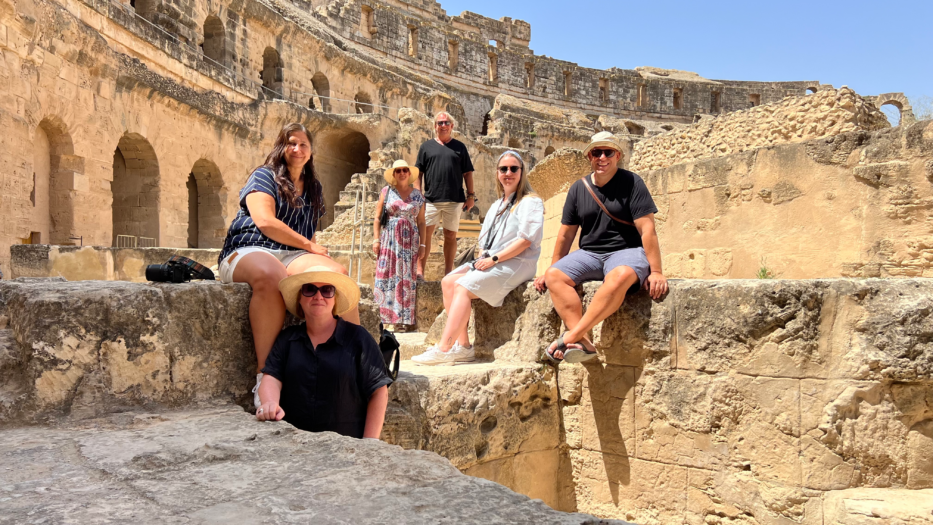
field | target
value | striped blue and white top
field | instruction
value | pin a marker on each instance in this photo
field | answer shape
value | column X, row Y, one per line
column 243, row 231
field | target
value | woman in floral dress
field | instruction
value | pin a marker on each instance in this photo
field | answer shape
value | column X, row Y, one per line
column 398, row 245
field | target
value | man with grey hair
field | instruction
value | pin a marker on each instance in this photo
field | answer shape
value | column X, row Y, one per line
column 445, row 165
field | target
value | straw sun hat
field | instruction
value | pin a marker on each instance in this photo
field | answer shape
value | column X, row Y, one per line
column 389, row 174
column 604, row 139
column 347, row 297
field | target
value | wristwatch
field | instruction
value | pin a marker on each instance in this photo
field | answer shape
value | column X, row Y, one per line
column 473, row 196
column 495, row 258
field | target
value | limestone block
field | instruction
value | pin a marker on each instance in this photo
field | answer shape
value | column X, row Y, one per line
column 741, row 497
column 429, row 302
column 604, row 418
column 220, row 463
column 636, row 334
column 733, row 422
column 534, row 328
column 878, row 507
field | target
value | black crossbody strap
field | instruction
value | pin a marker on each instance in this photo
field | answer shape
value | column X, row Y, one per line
column 600, row 203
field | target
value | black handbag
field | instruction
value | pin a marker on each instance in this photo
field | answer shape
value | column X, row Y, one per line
column 469, row 254
column 391, row 352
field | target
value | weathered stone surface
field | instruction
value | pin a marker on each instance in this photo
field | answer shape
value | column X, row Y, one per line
column 90, row 347
column 878, row 507
column 494, row 421
column 219, row 464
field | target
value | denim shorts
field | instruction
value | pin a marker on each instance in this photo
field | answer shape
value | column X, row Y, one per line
column 582, row 266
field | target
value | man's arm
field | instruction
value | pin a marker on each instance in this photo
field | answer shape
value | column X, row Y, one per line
column 470, row 201
column 656, row 284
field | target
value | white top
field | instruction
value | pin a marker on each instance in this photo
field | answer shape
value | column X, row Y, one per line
column 525, row 221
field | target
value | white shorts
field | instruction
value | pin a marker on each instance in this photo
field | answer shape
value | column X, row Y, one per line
column 447, row 214
column 228, row 265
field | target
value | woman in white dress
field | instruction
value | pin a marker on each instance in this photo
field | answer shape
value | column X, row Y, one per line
column 510, row 242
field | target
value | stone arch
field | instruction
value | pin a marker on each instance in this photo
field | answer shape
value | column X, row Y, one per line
column 337, row 157
column 215, row 40
column 65, row 170
column 899, row 101
column 364, row 103
column 205, row 206
column 548, row 150
column 322, row 89
column 812, row 89
column 135, row 188
column 273, row 73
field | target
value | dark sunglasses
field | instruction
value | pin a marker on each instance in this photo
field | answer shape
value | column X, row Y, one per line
column 505, row 169
column 310, row 290
column 443, row 123
column 597, row 153
column 402, row 170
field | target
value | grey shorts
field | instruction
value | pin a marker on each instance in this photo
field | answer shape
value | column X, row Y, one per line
column 582, row 266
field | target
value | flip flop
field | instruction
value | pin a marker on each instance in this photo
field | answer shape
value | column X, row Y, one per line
column 560, row 346
column 578, row 355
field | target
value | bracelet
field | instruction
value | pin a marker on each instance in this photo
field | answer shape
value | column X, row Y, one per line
column 424, row 245
column 377, row 241
column 657, row 271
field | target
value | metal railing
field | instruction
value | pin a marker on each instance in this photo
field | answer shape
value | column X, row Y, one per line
column 132, row 241
column 296, row 97
column 359, row 221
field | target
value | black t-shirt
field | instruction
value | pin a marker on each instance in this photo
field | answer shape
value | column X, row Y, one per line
column 442, row 167
column 327, row 388
column 625, row 196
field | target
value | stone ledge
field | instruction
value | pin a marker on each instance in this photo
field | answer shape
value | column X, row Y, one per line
column 220, row 464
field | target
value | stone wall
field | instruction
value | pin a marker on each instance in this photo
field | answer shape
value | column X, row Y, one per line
column 794, row 119
column 755, row 401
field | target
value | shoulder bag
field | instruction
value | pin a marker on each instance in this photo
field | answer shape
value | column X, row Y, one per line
column 600, row 203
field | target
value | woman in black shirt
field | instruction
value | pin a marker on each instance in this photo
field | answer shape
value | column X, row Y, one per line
column 327, row 374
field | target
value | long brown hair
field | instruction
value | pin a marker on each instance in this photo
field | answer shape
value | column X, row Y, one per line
column 524, row 188
column 276, row 163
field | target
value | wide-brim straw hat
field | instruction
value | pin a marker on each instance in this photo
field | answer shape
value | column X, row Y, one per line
column 389, row 174
column 604, row 139
column 346, row 298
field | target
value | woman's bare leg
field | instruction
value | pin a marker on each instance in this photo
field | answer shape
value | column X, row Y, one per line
column 262, row 271
column 307, row 261
column 449, row 287
column 458, row 317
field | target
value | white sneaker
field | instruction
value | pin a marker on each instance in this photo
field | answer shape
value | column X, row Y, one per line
column 434, row 357
column 256, row 390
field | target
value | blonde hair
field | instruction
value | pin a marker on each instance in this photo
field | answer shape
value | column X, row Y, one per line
column 524, row 187
column 453, row 123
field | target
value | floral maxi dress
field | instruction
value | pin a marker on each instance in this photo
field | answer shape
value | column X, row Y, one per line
column 395, row 267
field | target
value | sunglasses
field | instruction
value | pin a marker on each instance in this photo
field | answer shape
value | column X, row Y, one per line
column 505, row 169
column 443, row 123
column 310, row 290
column 402, row 170
column 597, row 153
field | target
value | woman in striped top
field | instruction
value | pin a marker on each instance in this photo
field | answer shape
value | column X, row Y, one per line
column 272, row 235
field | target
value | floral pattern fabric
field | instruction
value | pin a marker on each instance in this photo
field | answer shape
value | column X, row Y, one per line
column 397, row 262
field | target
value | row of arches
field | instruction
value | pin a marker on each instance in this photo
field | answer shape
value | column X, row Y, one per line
column 141, row 209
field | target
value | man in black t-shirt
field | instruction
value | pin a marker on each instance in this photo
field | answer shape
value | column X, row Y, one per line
column 614, row 212
column 445, row 165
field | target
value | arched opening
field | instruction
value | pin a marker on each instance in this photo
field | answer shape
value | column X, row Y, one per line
column 206, row 224
column 322, row 89
column 892, row 110
column 272, row 74
column 486, row 119
column 515, row 143
column 548, row 150
column 135, row 190
column 55, row 171
column 811, row 90
column 337, row 158
column 214, row 40
column 364, row 103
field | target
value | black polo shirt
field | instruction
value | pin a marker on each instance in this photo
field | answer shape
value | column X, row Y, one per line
column 443, row 167
column 327, row 388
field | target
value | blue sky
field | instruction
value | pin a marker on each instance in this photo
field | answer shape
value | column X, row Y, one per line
column 873, row 47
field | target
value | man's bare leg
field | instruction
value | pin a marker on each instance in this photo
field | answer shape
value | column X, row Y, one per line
column 450, row 250
column 606, row 301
